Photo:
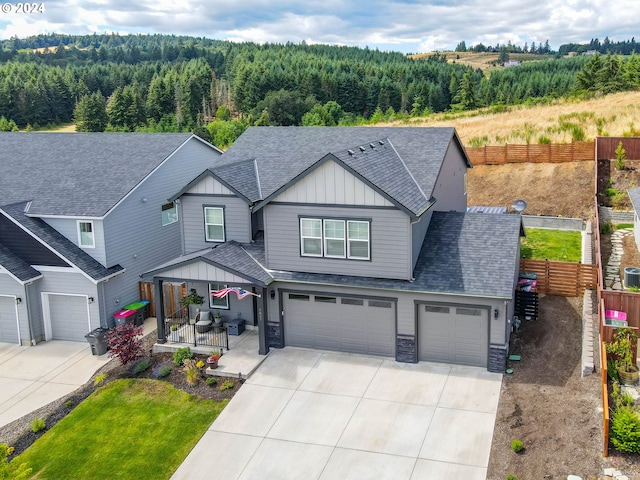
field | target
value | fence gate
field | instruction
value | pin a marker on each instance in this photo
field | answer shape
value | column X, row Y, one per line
column 172, row 293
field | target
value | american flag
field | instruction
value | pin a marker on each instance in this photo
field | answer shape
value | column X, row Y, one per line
column 240, row 292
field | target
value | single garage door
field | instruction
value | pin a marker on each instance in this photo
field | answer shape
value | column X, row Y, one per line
column 343, row 324
column 8, row 320
column 69, row 317
column 453, row 334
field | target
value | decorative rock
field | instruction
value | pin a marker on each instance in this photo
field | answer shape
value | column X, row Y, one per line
column 608, row 472
column 621, row 477
column 573, row 477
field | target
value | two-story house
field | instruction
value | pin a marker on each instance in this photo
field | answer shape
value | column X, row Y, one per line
column 356, row 239
column 81, row 217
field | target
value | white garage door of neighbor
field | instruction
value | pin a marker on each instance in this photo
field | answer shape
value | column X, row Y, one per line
column 8, row 320
column 69, row 317
column 453, row 334
column 344, row 324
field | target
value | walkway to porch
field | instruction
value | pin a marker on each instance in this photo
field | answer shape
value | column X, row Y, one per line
column 240, row 360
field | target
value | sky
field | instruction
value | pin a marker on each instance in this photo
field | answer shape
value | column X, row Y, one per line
column 407, row 26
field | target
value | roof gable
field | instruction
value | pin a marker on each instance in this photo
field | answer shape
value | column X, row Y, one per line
column 20, row 270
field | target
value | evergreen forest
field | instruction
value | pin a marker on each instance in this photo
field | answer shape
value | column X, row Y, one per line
column 217, row 88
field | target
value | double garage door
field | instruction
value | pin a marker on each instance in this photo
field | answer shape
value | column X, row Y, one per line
column 344, row 324
column 453, row 334
column 8, row 320
column 68, row 316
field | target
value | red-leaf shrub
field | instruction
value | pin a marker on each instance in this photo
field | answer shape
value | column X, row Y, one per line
column 125, row 343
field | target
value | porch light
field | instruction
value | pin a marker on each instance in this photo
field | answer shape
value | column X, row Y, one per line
column 496, row 313
column 18, row 300
column 90, row 299
column 273, row 294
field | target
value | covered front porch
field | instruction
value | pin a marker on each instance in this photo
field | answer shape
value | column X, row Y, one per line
column 227, row 301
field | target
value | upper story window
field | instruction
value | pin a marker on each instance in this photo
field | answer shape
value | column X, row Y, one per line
column 214, row 224
column 335, row 238
column 169, row 213
column 86, row 236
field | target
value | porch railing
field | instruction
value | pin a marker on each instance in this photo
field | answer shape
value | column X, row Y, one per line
column 180, row 329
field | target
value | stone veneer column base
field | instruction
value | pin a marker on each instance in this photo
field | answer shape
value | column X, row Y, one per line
column 497, row 359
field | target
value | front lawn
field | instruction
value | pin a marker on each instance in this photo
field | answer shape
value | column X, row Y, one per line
column 129, row 429
column 556, row 245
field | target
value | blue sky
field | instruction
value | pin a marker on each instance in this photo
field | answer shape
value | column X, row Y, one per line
column 399, row 25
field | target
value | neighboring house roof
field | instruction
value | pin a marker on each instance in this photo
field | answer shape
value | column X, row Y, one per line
column 80, row 174
column 402, row 162
column 59, row 244
column 482, row 209
column 634, row 195
column 468, row 254
column 17, row 267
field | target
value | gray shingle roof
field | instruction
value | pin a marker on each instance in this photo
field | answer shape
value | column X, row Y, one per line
column 634, row 195
column 16, row 265
column 60, row 244
column 230, row 256
column 242, row 176
column 79, row 174
column 283, row 153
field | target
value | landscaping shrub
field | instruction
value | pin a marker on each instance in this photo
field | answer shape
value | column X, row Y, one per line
column 517, row 446
column 191, row 369
column 211, row 381
column 125, row 343
column 12, row 470
column 38, row 425
column 226, row 385
column 625, row 429
column 162, row 370
column 621, row 156
column 99, row 379
column 141, row 366
column 511, row 477
column 180, row 355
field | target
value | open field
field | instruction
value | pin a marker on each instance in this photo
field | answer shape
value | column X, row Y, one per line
column 612, row 115
column 485, row 61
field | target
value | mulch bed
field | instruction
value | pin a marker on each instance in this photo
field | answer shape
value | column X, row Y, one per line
column 19, row 435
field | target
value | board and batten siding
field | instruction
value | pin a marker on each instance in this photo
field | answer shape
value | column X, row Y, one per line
column 204, row 272
column 8, row 286
column 237, row 220
column 390, row 242
column 134, row 235
column 69, row 228
column 330, row 183
column 449, row 187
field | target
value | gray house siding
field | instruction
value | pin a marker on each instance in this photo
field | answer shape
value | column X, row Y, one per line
column 449, row 188
column 134, row 235
column 9, row 289
column 237, row 308
column 237, row 219
column 390, row 243
column 69, row 228
column 418, row 232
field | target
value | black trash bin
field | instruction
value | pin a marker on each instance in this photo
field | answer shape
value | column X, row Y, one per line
column 98, row 340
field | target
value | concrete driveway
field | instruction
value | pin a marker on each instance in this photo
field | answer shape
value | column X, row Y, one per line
column 31, row 377
column 319, row 415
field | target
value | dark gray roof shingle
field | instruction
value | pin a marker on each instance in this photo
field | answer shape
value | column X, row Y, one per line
column 283, row 153
column 16, row 265
column 60, row 244
column 78, row 174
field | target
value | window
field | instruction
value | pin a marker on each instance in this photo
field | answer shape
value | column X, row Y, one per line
column 333, row 238
column 297, row 296
column 358, row 245
column 476, row 312
column 379, row 304
column 322, row 299
column 436, row 309
column 214, row 224
column 311, row 237
column 352, row 301
column 214, row 302
column 169, row 213
column 86, row 237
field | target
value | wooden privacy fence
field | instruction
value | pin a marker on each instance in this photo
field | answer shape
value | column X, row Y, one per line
column 172, row 293
column 606, row 147
column 534, row 153
column 567, row 279
column 605, row 399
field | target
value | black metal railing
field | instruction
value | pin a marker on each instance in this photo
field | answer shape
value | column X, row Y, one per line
column 181, row 330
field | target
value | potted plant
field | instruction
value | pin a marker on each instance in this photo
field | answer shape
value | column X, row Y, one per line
column 212, row 361
column 192, row 299
column 217, row 316
column 175, row 335
column 622, row 349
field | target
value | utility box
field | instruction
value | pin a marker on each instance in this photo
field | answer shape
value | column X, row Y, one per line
column 98, row 340
column 235, row 326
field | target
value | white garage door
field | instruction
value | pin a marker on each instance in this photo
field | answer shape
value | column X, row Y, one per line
column 8, row 320
column 453, row 334
column 69, row 317
column 344, row 324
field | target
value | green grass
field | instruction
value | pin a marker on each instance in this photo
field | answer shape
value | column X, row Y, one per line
column 129, row 429
column 557, row 245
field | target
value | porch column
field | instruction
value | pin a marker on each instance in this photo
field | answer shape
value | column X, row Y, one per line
column 159, row 296
column 263, row 345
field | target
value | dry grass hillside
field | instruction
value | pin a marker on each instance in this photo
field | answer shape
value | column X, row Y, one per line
column 485, row 61
column 611, row 115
